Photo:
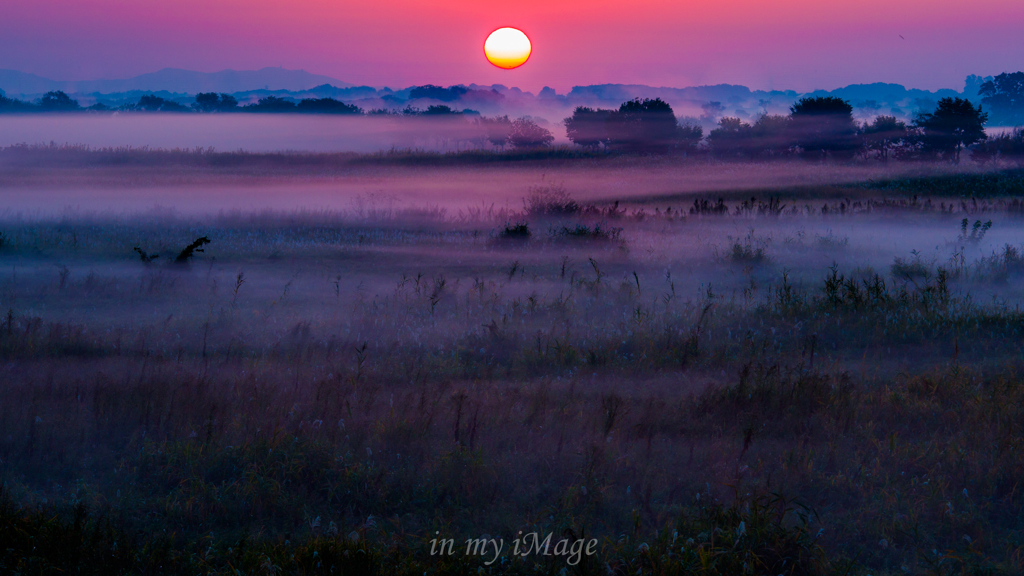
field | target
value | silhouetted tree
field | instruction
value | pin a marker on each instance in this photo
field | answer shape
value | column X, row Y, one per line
column 771, row 135
column 58, row 101
column 954, row 125
column 212, row 102
column 644, row 125
column 1006, row 145
column 496, row 130
column 207, row 102
column 688, row 137
column 1004, row 96
column 228, row 103
column 887, row 135
column 824, row 125
column 525, row 133
column 438, row 110
column 587, row 127
column 150, row 103
column 271, row 104
column 731, row 139
column 437, row 92
column 13, row 105
column 327, row 106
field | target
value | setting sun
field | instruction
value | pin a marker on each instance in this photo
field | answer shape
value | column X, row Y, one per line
column 507, row 48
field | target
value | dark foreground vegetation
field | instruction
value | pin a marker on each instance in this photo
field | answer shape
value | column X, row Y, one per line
column 311, row 395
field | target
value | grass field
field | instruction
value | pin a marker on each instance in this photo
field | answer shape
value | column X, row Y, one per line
column 817, row 374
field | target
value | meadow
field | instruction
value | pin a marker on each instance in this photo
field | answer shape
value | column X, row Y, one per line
column 322, row 364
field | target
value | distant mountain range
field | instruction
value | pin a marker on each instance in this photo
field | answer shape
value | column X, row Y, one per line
column 172, row 80
column 703, row 104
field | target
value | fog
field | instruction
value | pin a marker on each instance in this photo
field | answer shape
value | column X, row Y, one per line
column 299, row 264
column 250, row 132
column 663, row 333
column 51, row 183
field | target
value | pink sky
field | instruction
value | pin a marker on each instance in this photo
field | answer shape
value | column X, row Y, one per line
column 782, row 44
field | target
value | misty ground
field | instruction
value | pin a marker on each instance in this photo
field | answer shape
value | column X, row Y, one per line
column 816, row 374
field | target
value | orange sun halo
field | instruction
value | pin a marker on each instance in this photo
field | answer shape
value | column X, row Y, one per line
column 507, row 48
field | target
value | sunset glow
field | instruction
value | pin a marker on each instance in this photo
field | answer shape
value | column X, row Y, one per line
column 795, row 44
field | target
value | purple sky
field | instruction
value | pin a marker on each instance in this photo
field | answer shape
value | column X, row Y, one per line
column 786, row 44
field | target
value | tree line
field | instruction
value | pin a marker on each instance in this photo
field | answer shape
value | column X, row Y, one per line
column 816, row 128
column 57, row 101
column 824, row 127
column 212, row 102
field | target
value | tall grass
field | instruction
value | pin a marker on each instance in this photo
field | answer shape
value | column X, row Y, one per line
column 333, row 392
column 388, row 441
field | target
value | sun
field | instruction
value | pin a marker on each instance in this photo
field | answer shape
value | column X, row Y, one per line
column 507, row 48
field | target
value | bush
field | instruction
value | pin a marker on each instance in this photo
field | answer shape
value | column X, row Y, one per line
column 1001, row 266
column 747, row 254
column 584, row 232
column 495, row 130
column 525, row 133
column 910, row 270
column 517, row 231
column 749, row 249
column 550, row 201
column 1009, row 145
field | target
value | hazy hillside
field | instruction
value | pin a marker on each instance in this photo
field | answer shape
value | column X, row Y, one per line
column 706, row 103
column 173, row 80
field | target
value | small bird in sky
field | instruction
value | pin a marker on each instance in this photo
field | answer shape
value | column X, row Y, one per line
column 901, row 36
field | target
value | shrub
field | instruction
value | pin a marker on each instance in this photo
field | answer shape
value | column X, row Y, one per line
column 1000, row 266
column 552, row 200
column 517, row 231
column 525, row 133
column 584, row 232
column 745, row 253
column 749, row 250
column 910, row 270
column 1008, row 145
